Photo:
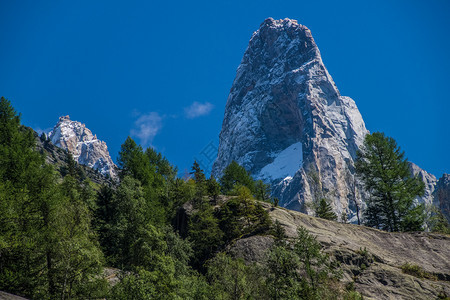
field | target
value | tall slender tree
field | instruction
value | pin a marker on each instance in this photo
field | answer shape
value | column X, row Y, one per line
column 384, row 171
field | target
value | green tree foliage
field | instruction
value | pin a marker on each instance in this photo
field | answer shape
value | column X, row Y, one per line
column 233, row 175
column 241, row 215
column 300, row 270
column 133, row 162
column 75, row 253
column 213, row 188
column 47, row 248
column 384, row 171
column 279, row 233
column 325, row 211
column 129, row 236
column 262, row 191
column 231, row 278
column 282, row 276
column 52, row 230
column 435, row 220
column 206, row 235
column 200, row 182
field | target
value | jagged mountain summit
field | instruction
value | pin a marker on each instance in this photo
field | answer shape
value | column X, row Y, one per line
column 286, row 120
column 85, row 148
column 285, row 117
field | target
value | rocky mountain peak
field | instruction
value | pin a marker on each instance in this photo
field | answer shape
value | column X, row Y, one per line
column 285, row 118
column 84, row 146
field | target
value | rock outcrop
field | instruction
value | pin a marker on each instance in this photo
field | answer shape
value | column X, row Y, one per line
column 442, row 195
column 85, row 148
column 285, row 117
column 59, row 157
column 373, row 259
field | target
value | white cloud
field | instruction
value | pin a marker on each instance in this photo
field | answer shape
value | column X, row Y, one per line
column 197, row 109
column 147, row 127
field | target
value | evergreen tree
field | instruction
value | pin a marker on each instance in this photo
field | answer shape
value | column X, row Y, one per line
column 213, row 188
column 279, row 233
column 325, row 211
column 262, row 191
column 200, row 182
column 133, row 162
column 199, row 176
column 384, row 171
column 205, row 234
column 231, row 278
column 233, row 175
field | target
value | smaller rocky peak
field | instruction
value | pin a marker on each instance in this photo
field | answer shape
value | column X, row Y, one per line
column 84, row 146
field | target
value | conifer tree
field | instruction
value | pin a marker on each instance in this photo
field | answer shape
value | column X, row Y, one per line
column 233, row 175
column 262, row 191
column 213, row 188
column 384, row 171
column 200, row 182
column 133, row 162
column 325, row 211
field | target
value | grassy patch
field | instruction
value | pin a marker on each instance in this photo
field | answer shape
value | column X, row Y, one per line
column 417, row 271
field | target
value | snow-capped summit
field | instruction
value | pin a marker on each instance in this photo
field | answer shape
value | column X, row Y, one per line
column 85, row 148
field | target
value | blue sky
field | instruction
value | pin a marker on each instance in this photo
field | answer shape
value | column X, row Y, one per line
column 161, row 70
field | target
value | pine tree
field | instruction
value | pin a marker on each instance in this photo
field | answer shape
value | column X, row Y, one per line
column 213, row 188
column 262, row 191
column 133, row 162
column 325, row 211
column 385, row 174
column 200, row 182
column 233, row 175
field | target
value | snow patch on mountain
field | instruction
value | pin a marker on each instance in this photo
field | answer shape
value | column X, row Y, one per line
column 285, row 164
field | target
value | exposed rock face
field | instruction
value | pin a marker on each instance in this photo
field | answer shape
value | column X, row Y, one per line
column 377, row 271
column 430, row 184
column 58, row 157
column 85, row 148
column 285, row 117
column 442, row 195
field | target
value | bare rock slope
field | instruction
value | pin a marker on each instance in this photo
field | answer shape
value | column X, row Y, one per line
column 370, row 257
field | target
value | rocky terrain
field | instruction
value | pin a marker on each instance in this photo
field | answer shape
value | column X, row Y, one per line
column 285, row 120
column 85, row 148
column 58, row 157
column 373, row 259
column 442, row 195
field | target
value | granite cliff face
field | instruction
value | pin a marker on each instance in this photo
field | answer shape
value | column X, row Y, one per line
column 286, row 120
column 85, row 148
column 285, row 117
column 442, row 195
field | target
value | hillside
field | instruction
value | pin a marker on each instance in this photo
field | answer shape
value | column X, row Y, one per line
column 370, row 257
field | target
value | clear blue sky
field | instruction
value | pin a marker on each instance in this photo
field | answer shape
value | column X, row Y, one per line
column 137, row 67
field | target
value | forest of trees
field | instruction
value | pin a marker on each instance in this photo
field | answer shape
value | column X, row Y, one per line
column 59, row 231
